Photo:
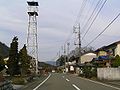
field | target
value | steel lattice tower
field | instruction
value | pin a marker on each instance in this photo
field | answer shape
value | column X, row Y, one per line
column 32, row 45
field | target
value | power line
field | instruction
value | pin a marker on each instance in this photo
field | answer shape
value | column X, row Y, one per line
column 104, row 29
column 69, row 37
column 77, row 19
column 94, row 19
column 92, row 14
column 81, row 11
column 79, row 15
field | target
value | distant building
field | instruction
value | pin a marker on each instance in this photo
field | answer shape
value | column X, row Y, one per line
column 111, row 50
column 87, row 57
column 73, row 67
column 106, row 54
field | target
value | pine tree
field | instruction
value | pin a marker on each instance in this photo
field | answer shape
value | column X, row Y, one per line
column 24, row 59
column 13, row 62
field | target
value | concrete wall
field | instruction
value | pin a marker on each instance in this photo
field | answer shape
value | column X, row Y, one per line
column 108, row 73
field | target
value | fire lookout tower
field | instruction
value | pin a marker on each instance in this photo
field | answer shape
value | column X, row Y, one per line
column 32, row 44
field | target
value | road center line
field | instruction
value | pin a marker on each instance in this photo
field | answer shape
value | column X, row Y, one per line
column 42, row 83
column 75, row 87
column 67, row 80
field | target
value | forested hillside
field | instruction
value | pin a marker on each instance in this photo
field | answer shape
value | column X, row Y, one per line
column 4, row 50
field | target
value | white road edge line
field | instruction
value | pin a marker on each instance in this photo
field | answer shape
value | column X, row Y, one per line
column 42, row 83
column 67, row 80
column 101, row 83
column 75, row 87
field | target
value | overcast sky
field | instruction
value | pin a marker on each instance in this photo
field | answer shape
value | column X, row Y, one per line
column 55, row 24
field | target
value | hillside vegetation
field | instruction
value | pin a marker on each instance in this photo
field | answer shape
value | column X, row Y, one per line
column 4, row 50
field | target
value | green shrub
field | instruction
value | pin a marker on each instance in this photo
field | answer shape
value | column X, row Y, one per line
column 116, row 61
column 18, row 80
column 88, row 72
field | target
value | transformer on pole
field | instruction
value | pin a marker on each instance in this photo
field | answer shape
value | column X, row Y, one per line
column 32, row 44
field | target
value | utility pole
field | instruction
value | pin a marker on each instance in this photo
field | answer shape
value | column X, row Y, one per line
column 79, row 38
column 59, row 54
column 68, row 48
column 68, row 44
column 77, row 32
column 65, row 57
column 62, row 48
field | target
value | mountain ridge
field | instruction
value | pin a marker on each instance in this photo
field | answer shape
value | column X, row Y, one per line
column 4, row 50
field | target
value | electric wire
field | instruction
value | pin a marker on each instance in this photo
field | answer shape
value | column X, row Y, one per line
column 94, row 19
column 92, row 14
column 81, row 11
column 103, row 30
column 77, row 19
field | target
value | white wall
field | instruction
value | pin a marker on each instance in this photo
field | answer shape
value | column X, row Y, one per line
column 108, row 73
column 117, row 51
column 87, row 57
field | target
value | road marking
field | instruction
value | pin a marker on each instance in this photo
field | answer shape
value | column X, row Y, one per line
column 63, row 76
column 101, row 83
column 42, row 83
column 67, row 80
column 75, row 87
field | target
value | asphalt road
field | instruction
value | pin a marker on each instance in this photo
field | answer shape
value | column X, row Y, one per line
column 58, row 81
column 33, row 84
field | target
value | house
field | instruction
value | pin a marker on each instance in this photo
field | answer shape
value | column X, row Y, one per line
column 87, row 57
column 111, row 50
column 106, row 54
column 74, row 67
